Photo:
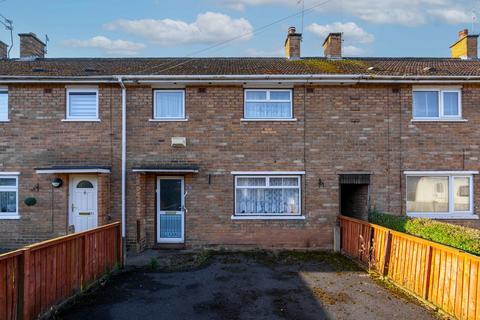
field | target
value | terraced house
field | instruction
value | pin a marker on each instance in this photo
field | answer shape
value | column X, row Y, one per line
column 239, row 152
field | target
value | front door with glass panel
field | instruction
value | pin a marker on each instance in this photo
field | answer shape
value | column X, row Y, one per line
column 83, row 202
column 170, row 210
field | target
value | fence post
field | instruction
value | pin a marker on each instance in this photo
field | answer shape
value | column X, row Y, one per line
column 427, row 272
column 23, row 307
column 84, row 261
column 337, row 237
column 386, row 256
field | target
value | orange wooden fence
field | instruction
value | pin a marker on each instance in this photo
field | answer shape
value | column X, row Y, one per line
column 39, row 276
column 446, row 277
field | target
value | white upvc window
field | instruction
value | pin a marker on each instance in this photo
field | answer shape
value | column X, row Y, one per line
column 440, row 194
column 271, row 104
column 267, row 196
column 4, row 105
column 437, row 104
column 8, row 197
column 169, row 105
column 82, row 104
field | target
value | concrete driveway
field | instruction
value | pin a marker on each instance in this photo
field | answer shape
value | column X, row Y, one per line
column 256, row 285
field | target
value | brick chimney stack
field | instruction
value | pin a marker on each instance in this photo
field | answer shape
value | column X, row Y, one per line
column 31, row 46
column 466, row 46
column 292, row 44
column 3, row 50
column 332, row 46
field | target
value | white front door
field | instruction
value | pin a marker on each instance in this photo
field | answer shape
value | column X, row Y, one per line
column 170, row 210
column 83, row 202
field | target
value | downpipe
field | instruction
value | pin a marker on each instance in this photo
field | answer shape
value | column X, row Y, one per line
column 124, row 167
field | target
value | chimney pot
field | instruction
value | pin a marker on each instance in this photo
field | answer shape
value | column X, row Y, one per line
column 466, row 47
column 332, row 46
column 31, row 46
column 292, row 44
column 462, row 34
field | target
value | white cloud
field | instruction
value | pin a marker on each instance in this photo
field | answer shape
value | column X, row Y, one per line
column 209, row 27
column 351, row 31
column 352, row 51
column 107, row 45
column 352, row 35
column 404, row 12
column 452, row 16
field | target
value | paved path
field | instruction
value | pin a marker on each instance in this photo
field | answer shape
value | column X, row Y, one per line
column 246, row 286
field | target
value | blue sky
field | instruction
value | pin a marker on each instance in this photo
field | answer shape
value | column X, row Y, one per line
column 111, row 28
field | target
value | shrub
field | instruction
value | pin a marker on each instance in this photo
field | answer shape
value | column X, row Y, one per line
column 466, row 239
column 388, row 221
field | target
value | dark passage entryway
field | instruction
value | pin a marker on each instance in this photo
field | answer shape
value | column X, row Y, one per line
column 354, row 195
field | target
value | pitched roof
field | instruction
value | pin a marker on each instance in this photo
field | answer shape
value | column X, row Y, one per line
column 96, row 67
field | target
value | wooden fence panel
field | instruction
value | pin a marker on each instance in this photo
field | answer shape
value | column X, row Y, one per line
column 408, row 266
column 10, row 269
column 37, row 277
column 444, row 276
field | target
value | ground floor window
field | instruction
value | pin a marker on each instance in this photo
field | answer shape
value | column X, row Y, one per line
column 8, row 196
column 439, row 193
column 267, row 195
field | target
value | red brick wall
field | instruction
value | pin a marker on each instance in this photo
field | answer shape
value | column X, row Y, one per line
column 364, row 128
column 348, row 128
column 35, row 137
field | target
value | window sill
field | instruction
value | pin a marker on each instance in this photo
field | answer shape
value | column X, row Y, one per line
column 445, row 216
column 9, row 217
column 268, row 120
column 238, row 217
column 168, row 120
column 439, row 120
column 6, row 120
column 81, row 120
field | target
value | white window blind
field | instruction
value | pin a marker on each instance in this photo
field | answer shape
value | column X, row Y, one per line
column 169, row 104
column 82, row 104
column 3, row 105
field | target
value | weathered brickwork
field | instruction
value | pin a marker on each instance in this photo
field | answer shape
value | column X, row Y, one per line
column 347, row 128
column 36, row 137
column 338, row 129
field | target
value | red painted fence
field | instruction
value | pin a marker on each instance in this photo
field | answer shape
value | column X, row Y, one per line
column 443, row 276
column 39, row 276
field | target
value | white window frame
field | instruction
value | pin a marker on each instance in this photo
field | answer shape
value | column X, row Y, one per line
column 441, row 116
column 81, row 90
column 156, row 117
column 240, row 215
column 451, row 214
column 10, row 215
column 268, row 91
column 5, row 89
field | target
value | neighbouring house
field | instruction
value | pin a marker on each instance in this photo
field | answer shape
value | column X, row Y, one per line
column 235, row 152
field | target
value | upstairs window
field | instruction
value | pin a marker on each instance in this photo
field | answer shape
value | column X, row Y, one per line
column 169, row 105
column 82, row 104
column 268, row 104
column 8, row 196
column 3, row 105
column 430, row 104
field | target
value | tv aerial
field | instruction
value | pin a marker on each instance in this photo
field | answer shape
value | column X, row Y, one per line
column 8, row 24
